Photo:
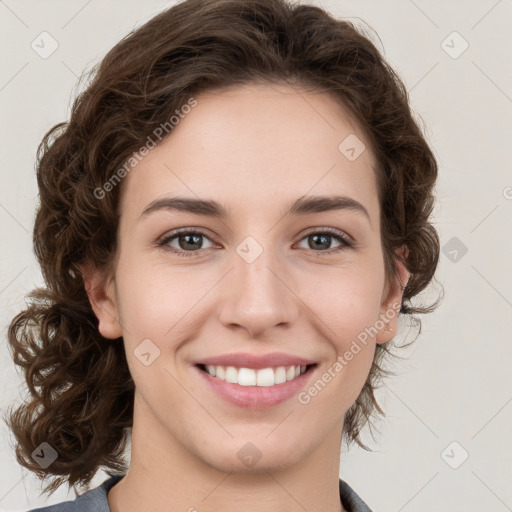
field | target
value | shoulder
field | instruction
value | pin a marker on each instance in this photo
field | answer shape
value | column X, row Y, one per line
column 94, row 500
column 351, row 500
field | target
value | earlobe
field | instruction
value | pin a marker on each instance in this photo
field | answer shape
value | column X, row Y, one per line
column 392, row 302
column 102, row 298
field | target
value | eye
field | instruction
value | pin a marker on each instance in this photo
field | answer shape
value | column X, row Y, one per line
column 323, row 238
column 189, row 242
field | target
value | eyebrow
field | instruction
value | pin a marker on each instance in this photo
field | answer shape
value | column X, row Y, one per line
column 305, row 205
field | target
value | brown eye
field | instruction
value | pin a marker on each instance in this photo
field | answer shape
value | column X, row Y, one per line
column 320, row 241
column 188, row 242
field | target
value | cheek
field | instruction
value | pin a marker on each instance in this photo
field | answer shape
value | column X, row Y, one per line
column 154, row 312
column 166, row 306
column 346, row 318
column 345, row 308
column 160, row 303
column 346, row 300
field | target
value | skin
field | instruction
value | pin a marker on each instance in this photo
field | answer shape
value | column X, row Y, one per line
column 255, row 149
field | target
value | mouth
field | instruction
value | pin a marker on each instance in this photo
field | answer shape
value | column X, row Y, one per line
column 256, row 389
column 252, row 377
column 255, row 381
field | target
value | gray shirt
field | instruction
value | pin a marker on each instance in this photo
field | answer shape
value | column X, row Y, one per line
column 95, row 500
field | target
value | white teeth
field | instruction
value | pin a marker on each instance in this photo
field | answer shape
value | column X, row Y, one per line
column 263, row 377
column 251, row 377
column 280, row 375
column 231, row 374
column 218, row 372
column 247, row 377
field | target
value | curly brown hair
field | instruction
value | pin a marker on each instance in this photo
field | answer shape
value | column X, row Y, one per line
column 80, row 388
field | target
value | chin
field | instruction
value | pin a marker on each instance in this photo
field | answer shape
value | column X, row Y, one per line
column 253, row 457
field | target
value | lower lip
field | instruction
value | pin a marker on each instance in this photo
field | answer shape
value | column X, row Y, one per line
column 256, row 397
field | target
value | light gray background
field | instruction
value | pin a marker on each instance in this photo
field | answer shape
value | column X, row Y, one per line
column 455, row 384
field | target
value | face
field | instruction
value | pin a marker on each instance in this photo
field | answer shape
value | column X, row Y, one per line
column 263, row 278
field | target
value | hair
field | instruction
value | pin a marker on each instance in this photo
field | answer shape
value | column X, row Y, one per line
column 80, row 389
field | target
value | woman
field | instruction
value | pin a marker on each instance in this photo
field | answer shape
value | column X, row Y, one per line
column 229, row 226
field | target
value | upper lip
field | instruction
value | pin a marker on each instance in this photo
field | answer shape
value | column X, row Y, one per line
column 247, row 360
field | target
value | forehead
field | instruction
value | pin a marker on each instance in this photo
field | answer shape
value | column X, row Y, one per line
column 257, row 147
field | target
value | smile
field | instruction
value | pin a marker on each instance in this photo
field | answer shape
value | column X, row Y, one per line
column 262, row 377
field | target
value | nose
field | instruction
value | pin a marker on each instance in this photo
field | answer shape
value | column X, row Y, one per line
column 258, row 295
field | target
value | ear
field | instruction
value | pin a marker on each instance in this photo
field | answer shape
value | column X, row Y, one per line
column 392, row 299
column 101, row 293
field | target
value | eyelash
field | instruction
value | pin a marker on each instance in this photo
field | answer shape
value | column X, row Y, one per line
column 346, row 242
